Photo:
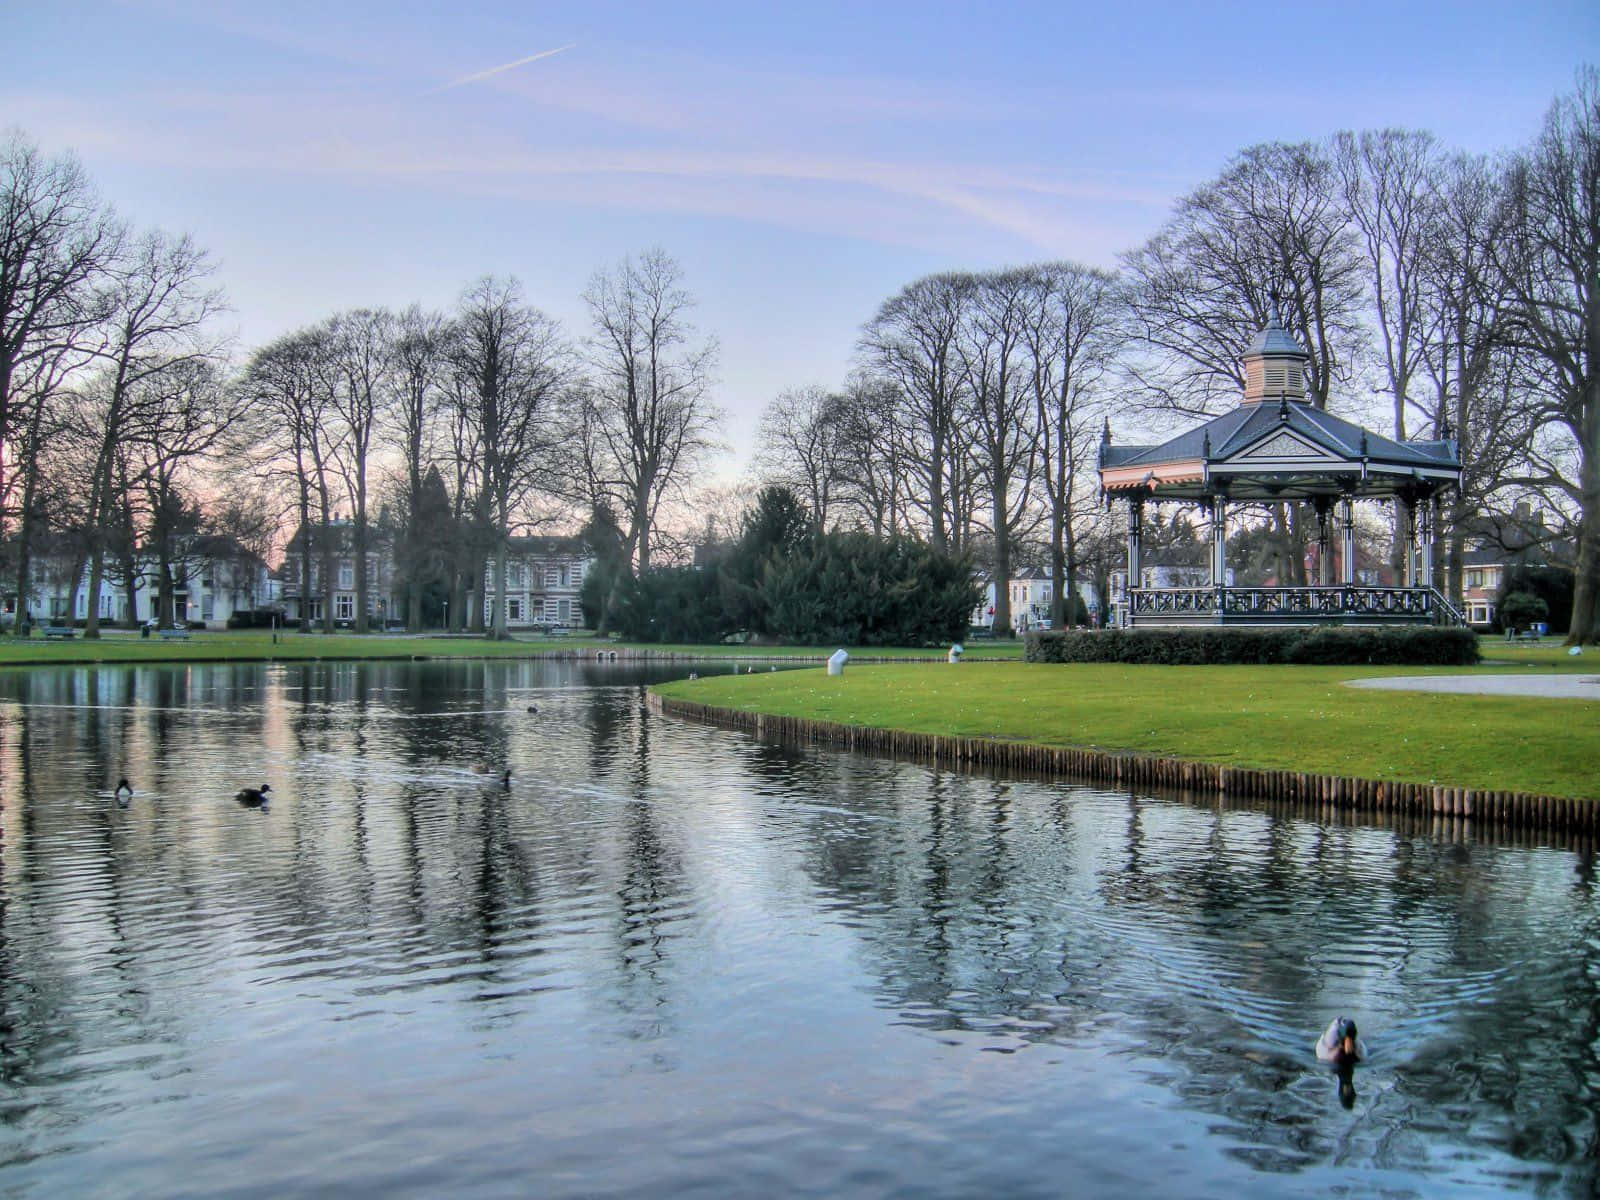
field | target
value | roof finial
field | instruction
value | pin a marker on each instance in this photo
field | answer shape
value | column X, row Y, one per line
column 1283, row 407
column 1105, row 432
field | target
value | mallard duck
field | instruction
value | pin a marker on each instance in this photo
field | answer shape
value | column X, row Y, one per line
column 1340, row 1045
column 254, row 797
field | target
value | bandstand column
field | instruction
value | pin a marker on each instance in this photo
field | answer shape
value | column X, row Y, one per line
column 1347, row 519
column 1135, row 538
column 1219, row 541
column 1324, row 544
column 1425, row 550
column 1410, row 513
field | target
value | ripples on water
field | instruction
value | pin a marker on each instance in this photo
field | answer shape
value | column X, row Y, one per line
column 669, row 960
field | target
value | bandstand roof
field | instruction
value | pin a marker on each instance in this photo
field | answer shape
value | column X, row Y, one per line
column 1278, row 448
column 1289, row 451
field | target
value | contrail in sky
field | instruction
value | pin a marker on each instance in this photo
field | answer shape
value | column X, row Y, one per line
column 476, row 76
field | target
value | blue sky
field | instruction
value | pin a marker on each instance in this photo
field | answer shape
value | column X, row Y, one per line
column 801, row 161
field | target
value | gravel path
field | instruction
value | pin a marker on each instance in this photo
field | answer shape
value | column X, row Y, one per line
column 1559, row 687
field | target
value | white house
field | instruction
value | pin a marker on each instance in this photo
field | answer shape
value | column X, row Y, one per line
column 544, row 576
column 1030, row 592
column 216, row 579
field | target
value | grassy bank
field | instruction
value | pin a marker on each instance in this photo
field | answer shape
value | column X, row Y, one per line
column 1275, row 718
column 259, row 646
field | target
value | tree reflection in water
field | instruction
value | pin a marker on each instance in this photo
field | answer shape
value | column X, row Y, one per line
column 735, row 955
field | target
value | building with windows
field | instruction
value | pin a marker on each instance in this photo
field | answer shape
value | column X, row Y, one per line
column 1498, row 545
column 544, row 576
column 303, row 599
column 1030, row 591
column 212, row 578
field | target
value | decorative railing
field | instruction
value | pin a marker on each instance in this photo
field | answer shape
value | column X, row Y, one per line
column 1289, row 603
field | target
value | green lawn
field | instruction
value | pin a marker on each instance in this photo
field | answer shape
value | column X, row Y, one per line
column 121, row 645
column 1283, row 718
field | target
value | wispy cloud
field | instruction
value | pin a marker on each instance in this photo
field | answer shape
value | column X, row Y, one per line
column 479, row 76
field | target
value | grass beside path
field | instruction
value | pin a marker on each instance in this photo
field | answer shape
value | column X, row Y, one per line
column 122, row 645
column 1273, row 718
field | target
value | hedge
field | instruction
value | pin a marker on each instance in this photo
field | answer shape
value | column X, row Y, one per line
column 1327, row 644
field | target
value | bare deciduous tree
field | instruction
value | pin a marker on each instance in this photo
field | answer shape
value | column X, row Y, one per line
column 875, row 463
column 416, row 367
column 359, row 344
column 287, row 382
column 1074, row 316
column 56, row 244
column 513, row 371
column 911, row 342
column 800, row 446
column 158, row 312
column 1551, row 268
column 648, row 418
column 998, row 408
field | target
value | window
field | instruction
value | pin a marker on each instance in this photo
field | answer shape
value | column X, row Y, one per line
column 344, row 608
column 566, row 575
column 1474, row 579
column 314, row 609
column 564, row 612
column 514, row 574
column 514, row 609
column 347, row 574
column 207, row 607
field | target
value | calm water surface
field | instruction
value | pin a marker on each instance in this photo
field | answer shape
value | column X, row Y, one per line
column 675, row 961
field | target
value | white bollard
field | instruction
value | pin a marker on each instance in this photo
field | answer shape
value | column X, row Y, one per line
column 836, row 662
column 955, row 653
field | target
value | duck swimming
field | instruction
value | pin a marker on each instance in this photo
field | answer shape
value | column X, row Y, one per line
column 1340, row 1045
column 124, row 792
column 253, row 797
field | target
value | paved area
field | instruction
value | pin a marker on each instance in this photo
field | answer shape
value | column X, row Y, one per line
column 1559, row 687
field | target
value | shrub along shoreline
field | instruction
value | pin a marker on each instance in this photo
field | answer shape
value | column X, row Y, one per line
column 1278, row 732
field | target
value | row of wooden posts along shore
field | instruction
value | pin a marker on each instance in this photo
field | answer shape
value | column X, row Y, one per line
column 1517, row 810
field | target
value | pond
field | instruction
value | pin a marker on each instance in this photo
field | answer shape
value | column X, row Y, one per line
column 669, row 960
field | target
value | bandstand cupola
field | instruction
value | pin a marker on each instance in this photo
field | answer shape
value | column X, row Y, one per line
column 1275, row 365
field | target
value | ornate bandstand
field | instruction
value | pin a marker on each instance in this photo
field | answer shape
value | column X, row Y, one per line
column 1276, row 447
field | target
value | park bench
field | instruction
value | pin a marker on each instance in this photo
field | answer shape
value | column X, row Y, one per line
column 174, row 633
column 1528, row 635
column 59, row 631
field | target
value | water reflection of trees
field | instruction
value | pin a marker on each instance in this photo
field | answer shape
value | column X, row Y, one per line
column 1205, row 944
column 1213, row 944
